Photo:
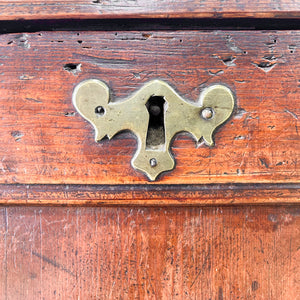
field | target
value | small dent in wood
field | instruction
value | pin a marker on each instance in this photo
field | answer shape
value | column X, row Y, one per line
column 254, row 286
column 70, row 114
column 73, row 68
column 219, row 72
column 272, row 43
column 264, row 162
column 26, row 77
column 231, row 45
column 272, row 218
column 229, row 61
column 240, row 137
column 292, row 48
column 266, row 66
column 22, row 41
column 147, row 35
column 240, row 113
column 17, row 135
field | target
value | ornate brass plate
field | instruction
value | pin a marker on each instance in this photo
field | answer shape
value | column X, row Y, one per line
column 155, row 114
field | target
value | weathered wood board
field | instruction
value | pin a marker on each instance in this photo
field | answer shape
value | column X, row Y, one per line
column 104, row 9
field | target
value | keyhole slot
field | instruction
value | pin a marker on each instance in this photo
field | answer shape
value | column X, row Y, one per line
column 156, row 126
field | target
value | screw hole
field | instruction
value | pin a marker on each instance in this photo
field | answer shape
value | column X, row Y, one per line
column 153, row 162
column 100, row 111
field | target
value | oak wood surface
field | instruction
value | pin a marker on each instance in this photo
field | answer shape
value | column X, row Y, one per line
column 85, row 9
column 45, row 141
column 150, row 253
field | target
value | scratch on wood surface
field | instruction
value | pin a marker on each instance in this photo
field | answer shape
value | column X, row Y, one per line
column 204, row 265
column 33, row 100
column 291, row 113
column 52, row 262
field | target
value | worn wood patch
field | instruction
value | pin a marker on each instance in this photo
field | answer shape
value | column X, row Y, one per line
column 45, row 141
column 150, row 253
column 85, row 9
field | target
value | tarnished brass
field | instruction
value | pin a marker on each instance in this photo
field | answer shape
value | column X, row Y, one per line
column 155, row 114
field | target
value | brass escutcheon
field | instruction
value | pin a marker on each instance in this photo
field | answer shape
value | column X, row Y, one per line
column 155, row 114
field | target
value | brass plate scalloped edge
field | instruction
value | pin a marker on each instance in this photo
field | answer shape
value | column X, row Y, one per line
column 92, row 100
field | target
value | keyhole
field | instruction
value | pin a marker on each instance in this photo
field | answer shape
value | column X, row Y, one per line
column 156, row 127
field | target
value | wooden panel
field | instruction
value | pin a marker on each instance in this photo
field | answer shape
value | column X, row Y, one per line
column 45, row 141
column 149, row 253
column 83, row 9
column 158, row 195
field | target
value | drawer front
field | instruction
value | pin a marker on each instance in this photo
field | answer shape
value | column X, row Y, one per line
column 45, row 140
column 233, row 233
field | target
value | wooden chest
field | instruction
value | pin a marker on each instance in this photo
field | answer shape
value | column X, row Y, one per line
column 79, row 220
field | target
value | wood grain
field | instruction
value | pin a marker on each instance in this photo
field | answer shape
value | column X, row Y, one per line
column 150, row 253
column 149, row 195
column 104, row 9
column 45, row 141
